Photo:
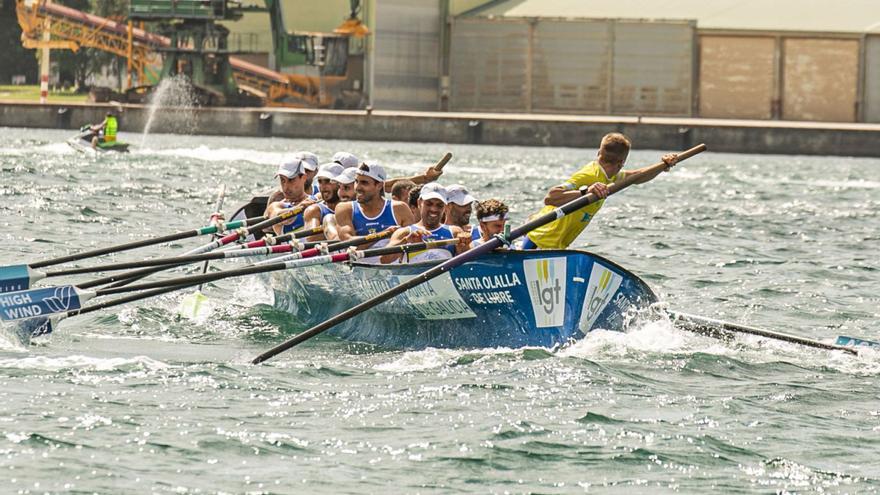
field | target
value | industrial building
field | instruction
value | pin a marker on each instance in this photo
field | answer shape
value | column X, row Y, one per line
column 811, row 60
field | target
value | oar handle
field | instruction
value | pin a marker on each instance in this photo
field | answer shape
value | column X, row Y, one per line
column 460, row 259
column 443, row 161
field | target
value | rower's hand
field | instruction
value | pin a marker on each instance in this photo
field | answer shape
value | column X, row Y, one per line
column 432, row 174
column 217, row 218
column 464, row 239
column 670, row 159
column 417, row 235
column 599, row 189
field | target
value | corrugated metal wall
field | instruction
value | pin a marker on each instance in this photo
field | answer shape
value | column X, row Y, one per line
column 872, row 79
column 737, row 78
column 406, row 51
column 820, row 79
column 488, row 65
column 653, row 68
column 569, row 66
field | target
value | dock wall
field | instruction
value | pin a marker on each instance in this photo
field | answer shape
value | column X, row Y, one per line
column 740, row 136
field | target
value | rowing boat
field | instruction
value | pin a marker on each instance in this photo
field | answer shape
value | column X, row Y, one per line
column 504, row 299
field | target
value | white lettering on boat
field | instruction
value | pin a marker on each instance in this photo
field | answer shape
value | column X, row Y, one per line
column 436, row 300
column 488, row 282
column 23, row 312
column 15, row 300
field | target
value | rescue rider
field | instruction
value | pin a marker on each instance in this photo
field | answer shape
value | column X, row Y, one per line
column 105, row 132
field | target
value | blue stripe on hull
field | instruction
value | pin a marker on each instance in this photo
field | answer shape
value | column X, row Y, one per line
column 505, row 299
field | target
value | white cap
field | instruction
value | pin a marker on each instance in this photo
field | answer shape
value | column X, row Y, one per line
column 310, row 160
column 347, row 176
column 373, row 170
column 346, row 159
column 290, row 168
column 459, row 195
column 433, row 190
column 329, row 171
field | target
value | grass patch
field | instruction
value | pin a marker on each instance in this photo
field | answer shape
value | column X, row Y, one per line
column 32, row 93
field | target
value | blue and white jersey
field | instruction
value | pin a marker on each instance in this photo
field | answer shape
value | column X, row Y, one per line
column 476, row 234
column 442, row 232
column 325, row 210
column 315, row 191
column 298, row 220
column 364, row 225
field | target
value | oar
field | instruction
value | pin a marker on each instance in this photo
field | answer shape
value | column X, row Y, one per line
column 443, row 161
column 301, row 250
column 191, row 305
column 241, row 233
column 464, row 257
column 713, row 327
column 271, row 240
column 21, row 277
column 37, row 310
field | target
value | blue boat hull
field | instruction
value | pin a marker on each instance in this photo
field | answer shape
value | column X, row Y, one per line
column 505, row 299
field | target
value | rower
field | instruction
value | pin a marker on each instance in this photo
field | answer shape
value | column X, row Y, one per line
column 459, row 208
column 346, row 181
column 346, row 159
column 317, row 214
column 492, row 217
column 370, row 212
column 310, row 161
column 432, row 206
column 104, row 134
column 310, row 165
column 400, row 190
column 414, row 202
column 291, row 176
column 591, row 178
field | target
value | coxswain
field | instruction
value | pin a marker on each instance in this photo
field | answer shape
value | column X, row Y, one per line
column 370, row 212
column 291, row 176
column 104, row 134
column 318, row 214
column 492, row 218
column 592, row 178
column 432, row 206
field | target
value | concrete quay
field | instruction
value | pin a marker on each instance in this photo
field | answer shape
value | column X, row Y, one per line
column 661, row 133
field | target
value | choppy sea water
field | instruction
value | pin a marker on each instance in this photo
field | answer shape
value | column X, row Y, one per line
column 136, row 401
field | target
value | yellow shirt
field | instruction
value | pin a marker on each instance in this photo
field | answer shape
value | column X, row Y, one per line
column 559, row 234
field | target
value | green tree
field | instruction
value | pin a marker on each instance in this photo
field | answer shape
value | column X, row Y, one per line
column 14, row 58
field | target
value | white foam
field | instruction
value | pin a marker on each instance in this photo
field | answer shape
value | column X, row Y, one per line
column 46, row 363
column 218, row 154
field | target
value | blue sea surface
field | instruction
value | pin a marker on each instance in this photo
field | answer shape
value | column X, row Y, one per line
column 136, row 400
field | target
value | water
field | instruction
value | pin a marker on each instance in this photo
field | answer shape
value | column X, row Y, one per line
column 134, row 400
column 173, row 94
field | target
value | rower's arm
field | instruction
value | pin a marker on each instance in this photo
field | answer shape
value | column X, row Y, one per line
column 311, row 220
column 273, row 210
column 642, row 175
column 559, row 195
column 430, row 175
column 344, row 223
column 403, row 214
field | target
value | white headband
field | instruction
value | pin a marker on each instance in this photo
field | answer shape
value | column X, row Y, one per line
column 493, row 218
